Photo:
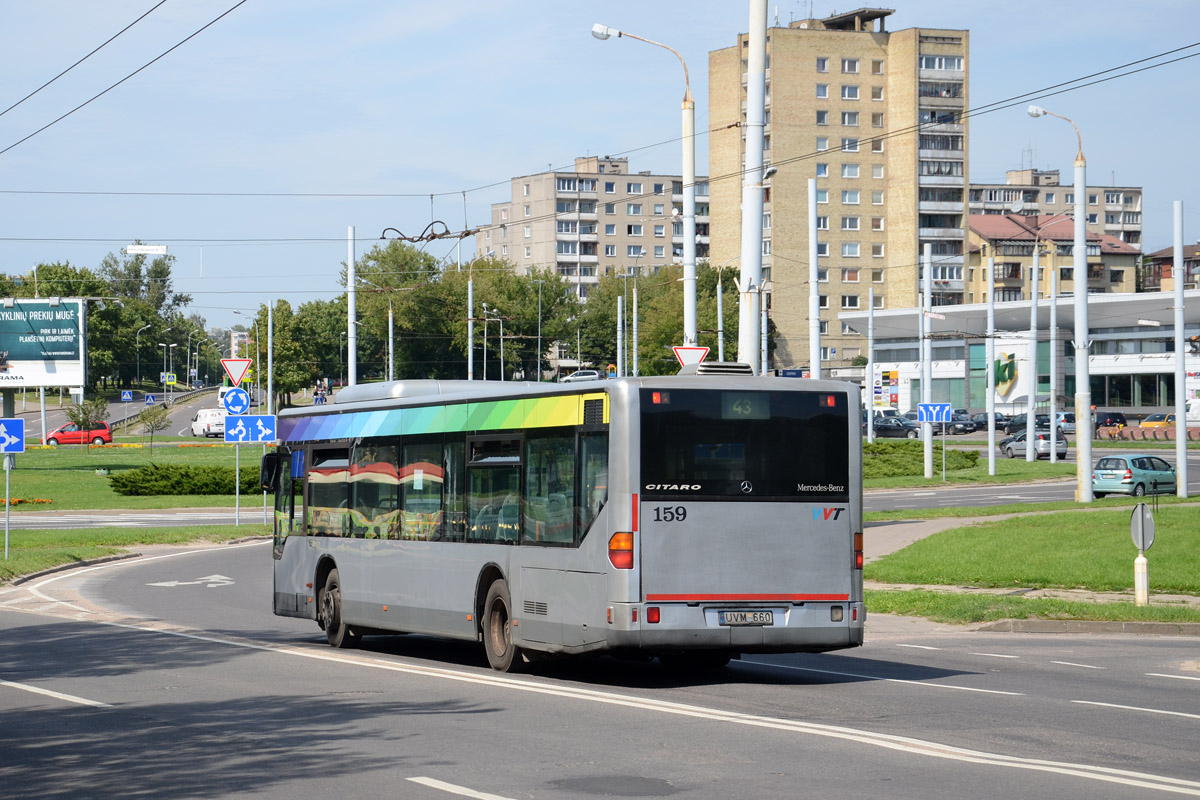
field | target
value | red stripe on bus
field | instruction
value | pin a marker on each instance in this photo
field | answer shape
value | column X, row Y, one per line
column 635, row 512
column 758, row 598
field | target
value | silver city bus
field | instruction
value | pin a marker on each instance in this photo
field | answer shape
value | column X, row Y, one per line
column 692, row 518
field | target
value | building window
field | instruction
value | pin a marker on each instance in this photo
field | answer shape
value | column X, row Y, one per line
column 565, row 184
column 822, row 277
column 941, row 168
column 659, row 188
column 766, row 220
column 822, row 170
column 850, row 275
column 850, row 66
column 1069, row 198
column 587, row 184
column 876, row 276
column 822, row 117
column 849, row 170
column 877, row 66
column 567, row 248
column 529, row 252
column 633, row 209
column 877, row 120
column 849, row 249
column 941, row 62
column 877, row 252
column 822, row 64
column 822, row 223
column 766, row 247
column 822, row 91
column 633, row 188
column 876, row 92
column 849, row 301
column 849, row 91
column 822, row 249
column 1112, row 198
column 659, row 209
column 850, row 118
column 822, row 143
column 610, row 229
column 567, row 226
column 610, row 209
column 610, row 249
column 1049, row 198
column 849, row 145
column 876, row 198
column 633, row 230
column 610, row 187
column 659, row 250
column 504, row 213
column 822, row 196
column 528, row 231
column 823, row 301
column 634, row 251
column 525, row 189
column 850, row 223
column 504, row 250
column 660, row 231
column 877, row 171
column 1091, row 219
column 877, row 146
column 850, row 197
column 876, row 223
column 1092, row 198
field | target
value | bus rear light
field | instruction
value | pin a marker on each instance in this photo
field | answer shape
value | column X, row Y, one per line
column 827, row 401
column 610, row 615
column 858, row 550
column 620, row 550
column 634, row 618
column 652, row 614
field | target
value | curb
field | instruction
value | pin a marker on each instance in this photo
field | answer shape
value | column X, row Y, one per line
column 1091, row 626
column 91, row 562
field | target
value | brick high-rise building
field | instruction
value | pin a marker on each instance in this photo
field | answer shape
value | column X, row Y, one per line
column 877, row 118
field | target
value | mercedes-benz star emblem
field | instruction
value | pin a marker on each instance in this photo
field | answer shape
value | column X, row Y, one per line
column 747, row 487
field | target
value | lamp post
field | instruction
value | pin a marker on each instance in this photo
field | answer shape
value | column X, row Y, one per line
column 188, row 352
column 689, row 184
column 487, row 314
column 341, row 371
column 164, row 346
column 137, row 348
column 1083, row 389
column 539, row 344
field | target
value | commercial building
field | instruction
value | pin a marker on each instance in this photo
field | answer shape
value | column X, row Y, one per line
column 1112, row 210
column 876, row 117
column 598, row 219
column 1008, row 239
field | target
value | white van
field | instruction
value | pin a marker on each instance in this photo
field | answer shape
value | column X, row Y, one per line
column 209, row 422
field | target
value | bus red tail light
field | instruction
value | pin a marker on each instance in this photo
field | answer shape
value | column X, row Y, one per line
column 620, row 550
column 652, row 614
column 858, row 550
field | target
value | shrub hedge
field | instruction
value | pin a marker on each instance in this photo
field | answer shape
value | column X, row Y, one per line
column 183, row 479
column 891, row 458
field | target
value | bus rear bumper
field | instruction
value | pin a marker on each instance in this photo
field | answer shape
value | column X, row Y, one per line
column 808, row 627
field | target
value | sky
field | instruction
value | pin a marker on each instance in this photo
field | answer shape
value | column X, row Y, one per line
column 250, row 149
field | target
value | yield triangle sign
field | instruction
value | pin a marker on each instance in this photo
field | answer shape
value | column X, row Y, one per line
column 689, row 355
column 236, row 368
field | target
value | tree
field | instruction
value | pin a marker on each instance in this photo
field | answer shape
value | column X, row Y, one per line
column 85, row 414
column 292, row 369
column 133, row 278
column 154, row 419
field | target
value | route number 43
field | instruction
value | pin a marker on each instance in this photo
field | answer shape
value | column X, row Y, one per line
column 670, row 513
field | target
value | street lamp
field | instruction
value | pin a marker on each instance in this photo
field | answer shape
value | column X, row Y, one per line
column 689, row 184
column 1083, row 389
column 137, row 347
column 539, row 344
column 341, row 371
column 495, row 314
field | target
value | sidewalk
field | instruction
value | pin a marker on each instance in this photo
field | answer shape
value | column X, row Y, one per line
column 882, row 538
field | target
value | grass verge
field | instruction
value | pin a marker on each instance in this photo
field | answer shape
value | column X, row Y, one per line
column 33, row 551
column 1013, row 470
column 977, row 608
column 1112, row 501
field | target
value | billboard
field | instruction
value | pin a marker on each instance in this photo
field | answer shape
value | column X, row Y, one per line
column 41, row 342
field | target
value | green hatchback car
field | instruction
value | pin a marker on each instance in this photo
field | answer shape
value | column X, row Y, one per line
column 1137, row 475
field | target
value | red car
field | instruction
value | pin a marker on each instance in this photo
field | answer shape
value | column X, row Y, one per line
column 96, row 433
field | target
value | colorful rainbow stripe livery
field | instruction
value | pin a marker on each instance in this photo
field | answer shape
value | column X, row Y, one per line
column 533, row 412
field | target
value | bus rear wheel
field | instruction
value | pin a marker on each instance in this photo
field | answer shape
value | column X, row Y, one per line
column 502, row 654
column 338, row 633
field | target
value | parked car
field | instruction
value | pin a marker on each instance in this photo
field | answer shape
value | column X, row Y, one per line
column 1110, row 419
column 1159, row 421
column 1014, row 446
column 96, row 433
column 912, row 415
column 981, row 420
column 1017, row 422
column 581, row 375
column 897, row 427
column 961, row 422
column 1137, row 475
column 209, row 422
column 1066, row 421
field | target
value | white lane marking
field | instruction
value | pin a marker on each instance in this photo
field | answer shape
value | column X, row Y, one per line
column 877, row 678
column 922, row 494
column 992, row 655
column 1072, row 664
column 1179, row 677
column 919, row 646
column 1137, row 708
column 459, row 790
column 70, row 698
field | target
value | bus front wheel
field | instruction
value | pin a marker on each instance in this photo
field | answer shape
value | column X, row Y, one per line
column 338, row 633
column 502, row 654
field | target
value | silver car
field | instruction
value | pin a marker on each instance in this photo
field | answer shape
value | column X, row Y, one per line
column 1014, row 445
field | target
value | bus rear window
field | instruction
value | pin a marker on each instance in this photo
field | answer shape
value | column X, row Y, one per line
column 752, row 445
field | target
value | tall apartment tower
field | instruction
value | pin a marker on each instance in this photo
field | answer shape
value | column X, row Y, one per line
column 877, row 118
column 598, row 219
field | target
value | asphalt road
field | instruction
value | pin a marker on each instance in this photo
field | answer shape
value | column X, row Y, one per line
column 170, row 677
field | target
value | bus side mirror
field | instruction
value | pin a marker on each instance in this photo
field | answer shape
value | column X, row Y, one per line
column 268, row 472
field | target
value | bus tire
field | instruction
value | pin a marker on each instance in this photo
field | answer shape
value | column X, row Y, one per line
column 339, row 634
column 503, row 655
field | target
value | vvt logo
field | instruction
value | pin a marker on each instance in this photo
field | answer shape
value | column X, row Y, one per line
column 827, row 513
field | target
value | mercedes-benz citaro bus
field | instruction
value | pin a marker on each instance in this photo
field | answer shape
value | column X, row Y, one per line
column 689, row 517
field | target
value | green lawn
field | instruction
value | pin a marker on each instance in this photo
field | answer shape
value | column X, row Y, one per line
column 32, row 551
column 1008, row 470
column 74, row 478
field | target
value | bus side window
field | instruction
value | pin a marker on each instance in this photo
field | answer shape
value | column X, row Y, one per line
column 549, row 485
column 454, row 516
column 593, row 488
column 373, row 490
column 421, row 477
column 328, row 493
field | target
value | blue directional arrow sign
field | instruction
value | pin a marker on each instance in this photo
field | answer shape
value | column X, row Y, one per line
column 250, row 429
column 149, row 399
column 12, row 435
column 236, row 401
column 126, row 396
column 933, row 412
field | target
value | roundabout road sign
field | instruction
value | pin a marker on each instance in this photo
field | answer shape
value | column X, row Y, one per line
column 236, row 401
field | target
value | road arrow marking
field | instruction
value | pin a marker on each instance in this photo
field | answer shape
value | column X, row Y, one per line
column 211, row 581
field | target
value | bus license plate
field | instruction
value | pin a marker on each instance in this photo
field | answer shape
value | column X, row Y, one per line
column 746, row 617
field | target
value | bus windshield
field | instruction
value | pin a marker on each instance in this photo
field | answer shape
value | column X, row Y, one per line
column 752, row 445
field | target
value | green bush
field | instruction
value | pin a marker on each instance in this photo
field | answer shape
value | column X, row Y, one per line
column 183, row 479
column 886, row 458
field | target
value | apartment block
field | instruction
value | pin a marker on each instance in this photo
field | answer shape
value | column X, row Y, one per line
column 1158, row 274
column 1009, row 240
column 1112, row 210
column 876, row 117
column 598, row 219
